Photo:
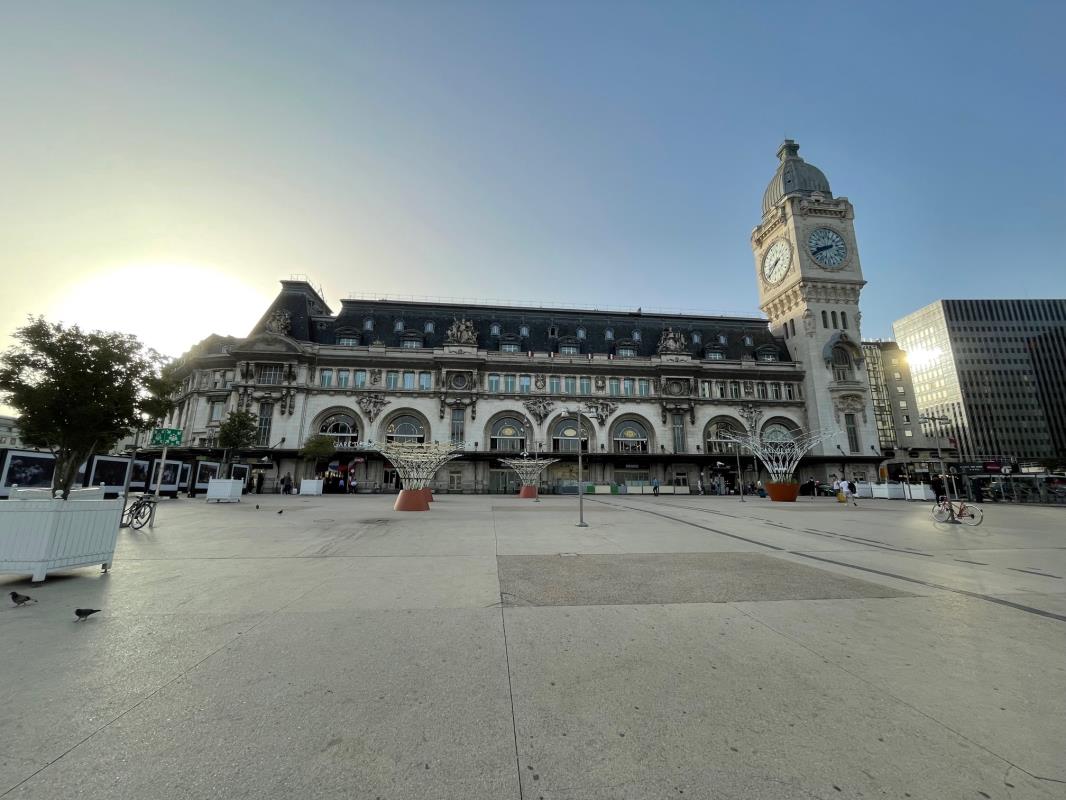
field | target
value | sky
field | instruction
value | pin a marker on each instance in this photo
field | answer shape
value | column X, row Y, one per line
column 164, row 165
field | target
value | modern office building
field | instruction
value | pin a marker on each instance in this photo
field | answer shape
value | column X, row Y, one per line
column 906, row 449
column 656, row 392
column 994, row 368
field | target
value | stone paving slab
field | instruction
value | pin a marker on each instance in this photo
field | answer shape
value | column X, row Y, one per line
column 583, row 580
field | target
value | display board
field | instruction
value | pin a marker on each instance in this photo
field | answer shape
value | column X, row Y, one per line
column 139, row 476
column 110, row 471
column 205, row 471
column 169, row 481
column 27, row 469
column 239, row 472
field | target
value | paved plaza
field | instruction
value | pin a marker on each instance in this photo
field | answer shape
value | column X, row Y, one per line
column 679, row 646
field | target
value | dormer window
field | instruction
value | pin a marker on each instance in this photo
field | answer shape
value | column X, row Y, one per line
column 569, row 350
column 348, row 341
column 429, row 327
column 368, row 324
column 609, row 334
column 523, row 330
column 398, row 326
column 494, row 329
column 580, row 333
column 723, row 339
column 553, row 331
column 696, row 337
column 767, row 355
column 636, row 336
column 627, row 352
column 747, row 341
column 715, row 355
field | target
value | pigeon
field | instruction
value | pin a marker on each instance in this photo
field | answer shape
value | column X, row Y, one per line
column 84, row 613
column 280, row 510
column 21, row 599
column 257, row 506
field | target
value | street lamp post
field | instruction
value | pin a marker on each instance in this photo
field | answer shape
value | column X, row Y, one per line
column 580, row 489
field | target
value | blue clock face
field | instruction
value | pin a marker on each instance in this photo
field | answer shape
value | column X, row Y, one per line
column 827, row 247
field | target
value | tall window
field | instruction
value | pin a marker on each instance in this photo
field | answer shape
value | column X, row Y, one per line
column 825, row 319
column 509, row 383
column 425, row 381
column 614, row 387
column 834, row 316
column 760, row 390
column 342, row 429
column 775, row 391
column 644, row 388
column 342, row 378
column 853, row 432
column 678, row 428
column 270, row 373
column 627, row 387
column 508, row 434
column 844, row 320
column 842, row 365
column 494, row 382
column 734, row 389
column 524, row 384
column 554, row 385
column 325, row 377
column 719, row 389
column 216, row 409
column 792, row 327
column 360, row 378
column 570, row 385
column 392, row 379
column 266, row 415
column 565, row 436
column 630, row 437
column 585, row 385
column 458, row 425
column 790, row 391
column 408, row 380
column 405, row 429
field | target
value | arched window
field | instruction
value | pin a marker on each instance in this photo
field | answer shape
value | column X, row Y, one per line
column 341, row 428
column 630, row 437
column 494, row 329
column 429, row 327
column 792, row 326
column 697, row 338
column 405, row 429
column 825, row 320
column 368, row 324
column 636, row 336
column 508, row 434
column 835, row 320
column 609, row 334
column 398, row 325
column 716, row 433
column 580, row 333
column 523, row 331
column 723, row 339
column 844, row 320
column 776, row 432
column 842, row 370
column 564, row 436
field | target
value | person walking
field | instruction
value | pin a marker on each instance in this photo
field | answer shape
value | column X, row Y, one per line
column 286, row 484
column 655, row 486
column 848, row 487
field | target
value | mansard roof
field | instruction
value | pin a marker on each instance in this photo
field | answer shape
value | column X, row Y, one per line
column 389, row 322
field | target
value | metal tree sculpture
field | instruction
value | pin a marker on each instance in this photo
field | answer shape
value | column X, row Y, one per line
column 781, row 455
column 528, row 470
column 417, row 464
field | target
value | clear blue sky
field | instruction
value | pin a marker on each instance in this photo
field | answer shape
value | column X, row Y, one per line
column 587, row 152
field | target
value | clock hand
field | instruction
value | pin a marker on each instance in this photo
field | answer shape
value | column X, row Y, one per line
column 822, row 249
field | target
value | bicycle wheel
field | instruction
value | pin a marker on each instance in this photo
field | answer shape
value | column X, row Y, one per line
column 941, row 513
column 142, row 515
column 971, row 515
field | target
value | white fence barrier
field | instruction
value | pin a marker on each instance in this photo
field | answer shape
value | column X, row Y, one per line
column 41, row 536
column 222, row 489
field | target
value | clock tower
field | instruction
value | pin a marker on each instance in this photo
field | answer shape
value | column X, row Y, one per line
column 809, row 276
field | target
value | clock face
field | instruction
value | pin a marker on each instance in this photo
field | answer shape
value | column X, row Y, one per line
column 827, row 248
column 776, row 262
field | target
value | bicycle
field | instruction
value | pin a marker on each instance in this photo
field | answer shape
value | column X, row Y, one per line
column 138, row 512
column 957, row 511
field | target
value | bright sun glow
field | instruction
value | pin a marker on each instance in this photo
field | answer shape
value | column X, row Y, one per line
column 922, row 357
column 169, row 307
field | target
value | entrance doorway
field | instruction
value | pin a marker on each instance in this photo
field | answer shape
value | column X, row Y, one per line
column 503, row 481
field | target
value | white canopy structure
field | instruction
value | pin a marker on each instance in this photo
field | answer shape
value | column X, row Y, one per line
column 529, row 470
column 417, row 463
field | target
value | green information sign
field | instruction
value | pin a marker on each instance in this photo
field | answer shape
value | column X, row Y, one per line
column 166, row 437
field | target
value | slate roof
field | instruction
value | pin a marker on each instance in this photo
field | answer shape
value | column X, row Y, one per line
column 312, row 321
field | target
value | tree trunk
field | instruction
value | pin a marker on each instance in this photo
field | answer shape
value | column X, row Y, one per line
column 66, row 470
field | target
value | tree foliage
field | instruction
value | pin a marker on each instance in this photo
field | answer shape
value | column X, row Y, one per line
column 78, row 392
column 319, row 446
column 238, row 430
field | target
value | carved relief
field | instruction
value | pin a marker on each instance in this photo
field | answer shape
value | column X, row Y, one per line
column 539, row 408
column 280, row 322
column 375, row 377
column 751, row 415
column 850, row 404
column 600, row 410
column 601, row 383
column 461, row 331
column 539, row 382
column 671, row 341
column 371, row 404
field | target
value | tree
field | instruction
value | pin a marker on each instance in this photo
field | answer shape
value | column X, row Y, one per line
column 319, row 446
column 237, row 431
column 77, row 392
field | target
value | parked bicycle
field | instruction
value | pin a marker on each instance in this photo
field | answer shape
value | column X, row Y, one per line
column 957, row 511
column 138, row 512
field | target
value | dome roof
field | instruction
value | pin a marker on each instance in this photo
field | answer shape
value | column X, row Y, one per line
column 793, row 176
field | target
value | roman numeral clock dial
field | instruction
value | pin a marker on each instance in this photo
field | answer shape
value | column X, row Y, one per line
column 776, row 262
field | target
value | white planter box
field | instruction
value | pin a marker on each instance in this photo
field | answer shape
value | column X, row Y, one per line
column 41, row 536
column 224, row 489
column 310, row 486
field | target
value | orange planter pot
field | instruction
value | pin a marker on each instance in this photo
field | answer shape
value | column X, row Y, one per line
column 411, row 500
column 528, row 492
column 429, row 494
column 783, row 492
